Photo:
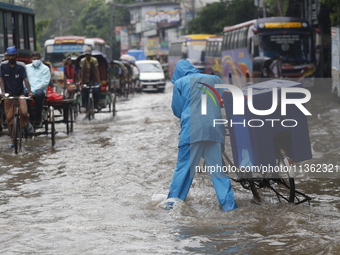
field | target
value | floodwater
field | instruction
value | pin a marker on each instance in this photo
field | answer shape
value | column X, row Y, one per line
column 101, row 190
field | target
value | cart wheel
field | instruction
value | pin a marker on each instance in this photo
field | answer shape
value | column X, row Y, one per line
column 113, row 105
column 71, row 117
column 126, row 90
column 75, row 111
column 53, row 133
column 109, row 101
column 78, row 100
column 51, row 121
column 44, row 117
column 1, row 122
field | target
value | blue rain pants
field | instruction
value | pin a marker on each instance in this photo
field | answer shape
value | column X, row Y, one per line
column 188, row 158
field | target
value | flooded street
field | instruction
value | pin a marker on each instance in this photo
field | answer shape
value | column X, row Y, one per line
column 102, row 190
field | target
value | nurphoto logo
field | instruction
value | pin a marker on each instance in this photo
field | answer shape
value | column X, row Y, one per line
column 238, row 104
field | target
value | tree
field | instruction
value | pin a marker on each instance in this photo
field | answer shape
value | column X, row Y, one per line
column 94, row 19
column 335, row 6
column 215, row 16
column 277, row 7
column 62, row 15
column 209, row 20
column 40, row 27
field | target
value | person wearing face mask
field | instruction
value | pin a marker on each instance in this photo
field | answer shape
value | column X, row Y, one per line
column 39, row 77
column 12, row 77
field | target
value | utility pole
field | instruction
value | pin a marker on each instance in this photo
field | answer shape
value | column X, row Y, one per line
column 112, row 23
column 193, row 8
column 112, row 28
column 279, row 7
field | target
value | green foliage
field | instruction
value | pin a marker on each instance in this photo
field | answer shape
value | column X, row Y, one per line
column 277, row 7
column 335, row 14
column 89, row 18
column 209, row 19
column 215, row 16
column 94, row 19
column 40, row 26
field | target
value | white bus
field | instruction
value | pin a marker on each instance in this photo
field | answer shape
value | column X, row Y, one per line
column 57, row 50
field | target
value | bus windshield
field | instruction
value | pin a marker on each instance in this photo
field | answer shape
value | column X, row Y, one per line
column 56, row 54
column 195, row 50
column 150, row 67
column 294, row 48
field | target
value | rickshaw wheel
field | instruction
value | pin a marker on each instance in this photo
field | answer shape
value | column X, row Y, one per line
column 51, row 121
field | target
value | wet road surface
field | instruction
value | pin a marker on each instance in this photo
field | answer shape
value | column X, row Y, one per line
column 101, row 190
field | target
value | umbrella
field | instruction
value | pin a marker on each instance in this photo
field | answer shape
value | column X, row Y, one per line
column 127, row 58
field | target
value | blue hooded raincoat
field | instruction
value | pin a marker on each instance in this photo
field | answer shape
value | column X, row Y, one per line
column 198, row 136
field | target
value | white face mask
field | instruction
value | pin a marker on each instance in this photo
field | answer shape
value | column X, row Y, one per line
column 36, row 62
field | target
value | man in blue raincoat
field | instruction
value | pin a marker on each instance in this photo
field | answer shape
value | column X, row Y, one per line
column 198, row 136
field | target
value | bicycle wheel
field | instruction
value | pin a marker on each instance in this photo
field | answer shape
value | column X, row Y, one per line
column 70, row 119
column 17, row 134
column 90, row 106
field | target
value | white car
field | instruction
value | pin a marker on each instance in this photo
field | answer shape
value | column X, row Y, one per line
column 151, row 75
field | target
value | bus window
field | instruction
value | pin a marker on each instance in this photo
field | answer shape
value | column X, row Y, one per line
column 21, row 32
column 229, row 35
column 241, row 37
column 224, row 42
column 208, row 50
column 219, row 49
column 213, row 49
column 31, row 32
column 245, row 36
column 9, row 28
column 251, row 39
column 234, row 39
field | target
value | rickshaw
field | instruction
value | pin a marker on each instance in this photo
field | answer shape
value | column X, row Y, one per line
column 107, row 98
column 135, row 78
column 129, row 84
column 47, row 112
column 119, row 85
column 71, row 91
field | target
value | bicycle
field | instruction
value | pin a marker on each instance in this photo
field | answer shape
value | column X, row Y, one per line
column 90, row 100
column 17, row 132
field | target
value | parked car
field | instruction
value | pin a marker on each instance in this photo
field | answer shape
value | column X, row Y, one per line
column 151, row 75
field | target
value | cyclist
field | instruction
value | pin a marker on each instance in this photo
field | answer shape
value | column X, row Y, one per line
column 198, row 137
column 39, row 77
column 13, row 76
column 90, row 75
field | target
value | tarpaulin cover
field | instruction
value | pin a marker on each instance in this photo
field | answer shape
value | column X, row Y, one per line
column 253, row 146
